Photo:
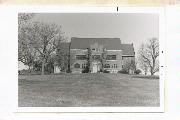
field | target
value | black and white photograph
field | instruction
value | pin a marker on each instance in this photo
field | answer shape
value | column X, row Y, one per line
column 88, row 60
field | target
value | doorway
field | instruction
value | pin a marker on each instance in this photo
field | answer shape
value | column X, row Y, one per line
column 95, row 67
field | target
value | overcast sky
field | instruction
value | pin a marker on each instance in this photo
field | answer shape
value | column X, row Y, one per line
column 129, row 27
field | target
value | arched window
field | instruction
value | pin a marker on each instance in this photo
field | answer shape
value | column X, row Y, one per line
column 77, row 65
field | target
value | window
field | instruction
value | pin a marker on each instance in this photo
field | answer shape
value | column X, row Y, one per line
column 96, row 57
column 111, row 57
column 83, row 65
column 106, row 66
column 77, row 65
column 81, row 57
column 115, row 65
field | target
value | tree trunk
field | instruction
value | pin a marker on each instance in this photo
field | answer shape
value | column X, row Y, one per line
column 145, row 71
column 29, row 72
column 152, row 73
column 102, row 67
column 69, row 59
column 69, row 63
column 153, row 66
column 43, row 65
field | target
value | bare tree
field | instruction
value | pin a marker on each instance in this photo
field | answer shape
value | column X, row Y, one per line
column 24, row 18
column 149, row 55
column 143, row 65
column 62, row 56
column 130, row 65
column 44, row 38
column 89, row 60
column 103, row 58
column 26, row 54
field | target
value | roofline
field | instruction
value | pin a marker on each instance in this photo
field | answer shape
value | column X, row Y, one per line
column 97, row 37
column 128, row 55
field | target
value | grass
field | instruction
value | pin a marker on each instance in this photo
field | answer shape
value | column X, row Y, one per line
column 87, row 90
column 146, row 76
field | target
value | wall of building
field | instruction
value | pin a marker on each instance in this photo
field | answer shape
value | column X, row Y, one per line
column 117, row 62
column 112, row 63
column 73, row 53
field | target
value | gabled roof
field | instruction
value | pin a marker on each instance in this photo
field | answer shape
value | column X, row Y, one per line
column 84, row 43
column 108, row 43
column 127, row 49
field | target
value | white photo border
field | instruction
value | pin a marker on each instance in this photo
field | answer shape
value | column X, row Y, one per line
column 79, row 9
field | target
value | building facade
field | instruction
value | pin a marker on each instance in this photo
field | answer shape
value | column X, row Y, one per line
column 105, row 54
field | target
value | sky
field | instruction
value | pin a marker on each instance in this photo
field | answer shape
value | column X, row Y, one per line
column 134, row 28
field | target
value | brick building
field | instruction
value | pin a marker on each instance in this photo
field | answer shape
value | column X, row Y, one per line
column 116, row 53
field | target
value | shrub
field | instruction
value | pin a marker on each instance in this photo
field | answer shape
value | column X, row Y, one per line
column 123, row 71
column 100, row 71
column 106, row 71
column 29, row 72
column 24, row 72
column 138, row 71
column 146, row 76
column 68, row 71
column 85, row 70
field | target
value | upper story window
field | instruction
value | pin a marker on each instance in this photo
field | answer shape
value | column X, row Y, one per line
column 96, row 57
column 95, row 49
column 80, row 57
column 77, row 65
column 111, row 57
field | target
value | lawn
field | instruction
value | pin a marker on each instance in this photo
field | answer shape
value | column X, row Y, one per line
column 87, row 90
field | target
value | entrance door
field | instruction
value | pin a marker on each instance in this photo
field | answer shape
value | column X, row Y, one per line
column 94, row 68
